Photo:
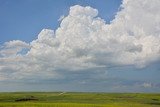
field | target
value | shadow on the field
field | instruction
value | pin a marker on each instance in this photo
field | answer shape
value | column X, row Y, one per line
column 30, row 98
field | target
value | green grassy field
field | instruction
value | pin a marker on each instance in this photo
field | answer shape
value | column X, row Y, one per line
column 70, row 99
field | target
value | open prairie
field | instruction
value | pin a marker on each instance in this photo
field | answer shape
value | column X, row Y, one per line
column 75, row 99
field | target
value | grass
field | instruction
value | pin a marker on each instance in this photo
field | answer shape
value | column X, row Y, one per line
column 71, row 99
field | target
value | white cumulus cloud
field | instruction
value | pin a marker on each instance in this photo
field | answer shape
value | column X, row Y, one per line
column 84, row 43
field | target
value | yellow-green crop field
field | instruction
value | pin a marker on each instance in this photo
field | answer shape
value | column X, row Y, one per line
column 71, row 99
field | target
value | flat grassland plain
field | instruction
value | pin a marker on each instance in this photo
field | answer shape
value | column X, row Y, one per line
column 77, row 99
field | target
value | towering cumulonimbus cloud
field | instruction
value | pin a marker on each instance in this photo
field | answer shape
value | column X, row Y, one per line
column 84, row 41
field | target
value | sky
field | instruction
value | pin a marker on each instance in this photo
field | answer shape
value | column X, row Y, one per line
column 80, row 45
column 24, row 19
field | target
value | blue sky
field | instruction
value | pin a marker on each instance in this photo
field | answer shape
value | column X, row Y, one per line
column 24, row 19
column 99, row 45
